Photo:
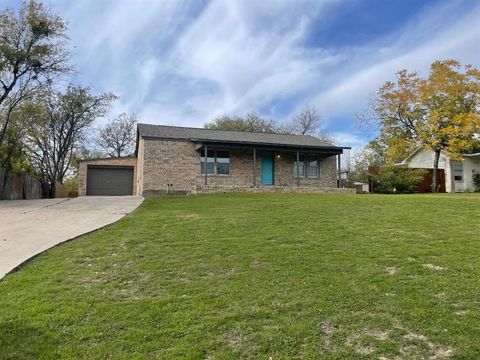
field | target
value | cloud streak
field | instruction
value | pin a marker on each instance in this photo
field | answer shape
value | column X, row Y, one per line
column 185, row 62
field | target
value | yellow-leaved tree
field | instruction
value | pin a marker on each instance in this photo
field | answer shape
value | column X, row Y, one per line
column 440, row 112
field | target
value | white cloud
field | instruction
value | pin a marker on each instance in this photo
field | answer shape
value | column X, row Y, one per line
column 354, row 139
column 251, row 64
column 411, row 51
column 180, row 62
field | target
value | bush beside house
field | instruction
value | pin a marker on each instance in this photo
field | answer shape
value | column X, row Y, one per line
column 476, row 180
column 396, row 180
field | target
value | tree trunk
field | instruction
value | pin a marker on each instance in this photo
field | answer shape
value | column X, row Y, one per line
column 51, row 189
column 48, row 189
column 435, row 171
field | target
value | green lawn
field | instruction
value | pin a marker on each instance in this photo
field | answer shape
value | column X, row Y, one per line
column 256, row 276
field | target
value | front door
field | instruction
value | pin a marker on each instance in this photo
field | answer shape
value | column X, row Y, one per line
column 267, row 168
column 458, row 176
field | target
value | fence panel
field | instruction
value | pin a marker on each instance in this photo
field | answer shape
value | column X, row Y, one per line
column 19, row 186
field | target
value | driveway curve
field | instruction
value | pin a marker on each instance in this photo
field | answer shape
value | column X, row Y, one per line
column 29, row 227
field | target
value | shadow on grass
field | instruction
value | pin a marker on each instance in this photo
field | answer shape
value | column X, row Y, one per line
column 18, row 341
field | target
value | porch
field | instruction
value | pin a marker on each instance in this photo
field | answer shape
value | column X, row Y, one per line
column 240, row 167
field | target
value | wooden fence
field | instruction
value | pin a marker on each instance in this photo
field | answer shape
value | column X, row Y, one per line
column 19, row 186
column 426, row 185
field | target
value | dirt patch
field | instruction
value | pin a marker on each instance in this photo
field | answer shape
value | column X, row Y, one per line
column 238, row 341
column 441, row 295
column 360, row 344
column 369, row 342
column 255, row 264
column 418, row 343
column 365, row 349
column 327, row 327
column 391, row 270
column 378, row 334
column 364, row 342
column 235, row 340
column 433, row 267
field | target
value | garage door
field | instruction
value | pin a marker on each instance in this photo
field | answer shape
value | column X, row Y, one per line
column 109, row 180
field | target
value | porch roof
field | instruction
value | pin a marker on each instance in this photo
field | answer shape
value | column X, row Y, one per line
column 237, row 138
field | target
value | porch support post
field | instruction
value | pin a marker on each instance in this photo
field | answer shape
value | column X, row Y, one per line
column 254, row 167
column 298, row 168
column 206, row 167
column 339, row 170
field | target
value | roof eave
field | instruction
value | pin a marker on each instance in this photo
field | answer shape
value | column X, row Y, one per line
column 251, row 143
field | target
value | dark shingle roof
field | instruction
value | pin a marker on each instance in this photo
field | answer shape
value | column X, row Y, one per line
column 223, row 136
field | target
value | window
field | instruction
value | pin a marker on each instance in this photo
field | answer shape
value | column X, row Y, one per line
column 312, row 168
column 210, row 162
column 300, row 167
column 218, row 162
column 223, row 162
column 307, row 167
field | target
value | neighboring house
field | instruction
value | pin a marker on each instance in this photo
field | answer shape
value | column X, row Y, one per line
column 178, row 160
column 458, row 174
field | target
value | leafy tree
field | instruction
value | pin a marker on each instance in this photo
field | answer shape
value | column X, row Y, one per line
column 251, row 123
column 441, row 112
column 118, row 136
column 32, row 53
column 54, row 141
column 13, row 153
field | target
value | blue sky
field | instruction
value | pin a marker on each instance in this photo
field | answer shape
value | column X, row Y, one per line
column 186, row 62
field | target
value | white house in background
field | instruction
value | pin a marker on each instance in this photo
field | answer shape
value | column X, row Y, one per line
column 458, row 174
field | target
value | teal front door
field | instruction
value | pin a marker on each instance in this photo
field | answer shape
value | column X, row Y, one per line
column 267, row 168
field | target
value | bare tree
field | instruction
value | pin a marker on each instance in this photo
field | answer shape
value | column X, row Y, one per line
column 54, row 141
column 306, row 122
column 33, row 52
column 118, row 136
column 309, row 122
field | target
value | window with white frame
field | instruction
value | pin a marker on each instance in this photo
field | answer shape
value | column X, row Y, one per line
column 218, row 162
column 307, row 166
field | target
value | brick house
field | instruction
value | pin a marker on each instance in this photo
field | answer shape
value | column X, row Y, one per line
column 180, row 160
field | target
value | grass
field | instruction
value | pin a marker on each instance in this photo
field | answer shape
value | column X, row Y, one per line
column 248, row 276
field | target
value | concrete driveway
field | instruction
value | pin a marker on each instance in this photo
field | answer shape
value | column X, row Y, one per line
column 28, row 227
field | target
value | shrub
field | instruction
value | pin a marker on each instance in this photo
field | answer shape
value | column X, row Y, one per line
column 476, row 180
column 397, row 180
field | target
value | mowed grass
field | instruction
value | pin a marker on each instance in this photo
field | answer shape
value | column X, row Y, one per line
column 254, row 276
